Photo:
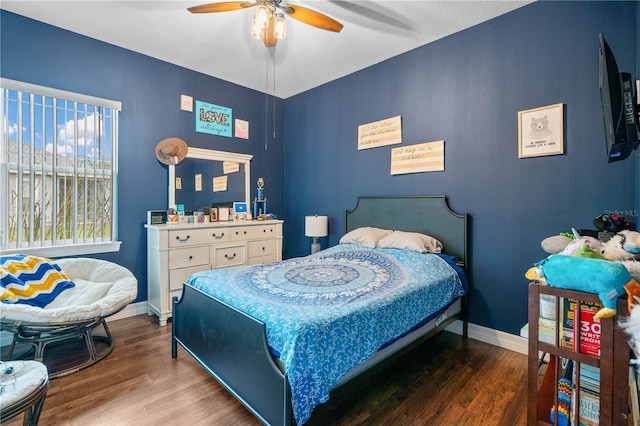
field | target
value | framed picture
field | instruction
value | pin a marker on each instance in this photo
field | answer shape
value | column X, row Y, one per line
column 223, row 214
column 541, row 131
column 213, row 214
column 240, row 207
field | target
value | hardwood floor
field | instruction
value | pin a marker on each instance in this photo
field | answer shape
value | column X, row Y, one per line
column 447, row 381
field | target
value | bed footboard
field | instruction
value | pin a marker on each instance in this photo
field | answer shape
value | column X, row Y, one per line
column 232, row 347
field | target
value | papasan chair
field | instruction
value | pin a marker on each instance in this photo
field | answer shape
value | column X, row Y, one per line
column 101, row 289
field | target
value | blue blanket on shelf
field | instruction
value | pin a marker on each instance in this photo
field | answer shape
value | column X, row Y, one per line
column 328, row 313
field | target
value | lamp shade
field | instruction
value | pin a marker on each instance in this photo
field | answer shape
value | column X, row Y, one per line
column 316, row 226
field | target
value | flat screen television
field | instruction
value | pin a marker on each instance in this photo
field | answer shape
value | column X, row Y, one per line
column 619, row 107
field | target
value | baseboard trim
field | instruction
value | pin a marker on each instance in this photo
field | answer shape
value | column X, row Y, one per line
column 477, row 332
column 493, row 337
column 131, row 310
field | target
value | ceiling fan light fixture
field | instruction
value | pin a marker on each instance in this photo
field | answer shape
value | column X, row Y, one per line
column 279, row 26
column 257, row 30
column 268, row 24
column 263, row 14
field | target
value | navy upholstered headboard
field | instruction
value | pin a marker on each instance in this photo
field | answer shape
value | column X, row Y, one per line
column 429, row 215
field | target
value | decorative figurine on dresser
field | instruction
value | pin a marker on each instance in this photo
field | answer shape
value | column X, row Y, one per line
column 260, row 202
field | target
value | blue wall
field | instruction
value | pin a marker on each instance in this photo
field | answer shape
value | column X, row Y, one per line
column 467, row 89
column 150, row 91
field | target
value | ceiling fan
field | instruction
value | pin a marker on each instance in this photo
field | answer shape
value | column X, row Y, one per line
column 268, row 24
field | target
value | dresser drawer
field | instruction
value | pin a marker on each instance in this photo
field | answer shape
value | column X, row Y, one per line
column 219, row 235
column 179, row 276
column 189, row 237
column 187, row 257
column 253, row 232
column 229, row 256
column 262, row 248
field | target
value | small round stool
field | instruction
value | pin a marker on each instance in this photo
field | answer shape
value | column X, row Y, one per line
column 23, row 388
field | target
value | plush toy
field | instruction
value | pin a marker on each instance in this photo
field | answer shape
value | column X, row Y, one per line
column 624, row 248
column 611, row 222
column 569, row 243
column 584, row 247
column 556, row 243
column 631, row 324
column 585, row 250
column 633, row 291
column 602, row 277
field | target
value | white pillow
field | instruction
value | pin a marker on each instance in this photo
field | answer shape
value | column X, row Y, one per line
column 413, row 241
column 365, row 236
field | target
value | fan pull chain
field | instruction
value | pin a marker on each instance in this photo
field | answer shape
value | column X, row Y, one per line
column 266, row 99
column 274, row 93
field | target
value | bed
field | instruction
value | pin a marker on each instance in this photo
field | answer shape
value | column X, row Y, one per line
column 275, row 367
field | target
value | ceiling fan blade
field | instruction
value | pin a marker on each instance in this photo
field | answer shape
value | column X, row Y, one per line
column 311, row 17
column 224, row 6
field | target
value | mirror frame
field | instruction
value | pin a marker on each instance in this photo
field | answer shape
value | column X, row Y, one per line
column 213, row 155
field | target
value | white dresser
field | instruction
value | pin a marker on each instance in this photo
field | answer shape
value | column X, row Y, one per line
column 174, row 252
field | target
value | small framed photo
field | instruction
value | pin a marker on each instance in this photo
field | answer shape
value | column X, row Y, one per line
column 223, row 213
column 541, row 131
column 240, row 207
column 213, row 214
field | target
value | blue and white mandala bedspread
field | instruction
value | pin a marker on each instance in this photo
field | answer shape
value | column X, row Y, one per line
column 331, row 311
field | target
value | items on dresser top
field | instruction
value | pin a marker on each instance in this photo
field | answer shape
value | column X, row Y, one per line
column 175, row 252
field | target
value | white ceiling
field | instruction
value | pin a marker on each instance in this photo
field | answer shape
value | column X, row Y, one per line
column 219, row 44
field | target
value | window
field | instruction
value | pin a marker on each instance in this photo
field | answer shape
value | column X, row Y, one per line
column 58, row 171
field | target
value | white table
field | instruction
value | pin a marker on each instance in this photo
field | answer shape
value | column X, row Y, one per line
column 23, row 388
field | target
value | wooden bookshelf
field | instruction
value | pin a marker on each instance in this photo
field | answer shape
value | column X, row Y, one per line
column 613, row 361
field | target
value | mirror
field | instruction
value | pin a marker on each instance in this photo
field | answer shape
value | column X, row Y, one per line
column 203, row 168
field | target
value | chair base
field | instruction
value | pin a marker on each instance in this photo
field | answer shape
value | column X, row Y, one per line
column 38, row 337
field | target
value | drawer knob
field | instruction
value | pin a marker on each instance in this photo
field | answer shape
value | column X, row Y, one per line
column 217, row 236
column 182, row 239
column 226, row 256
column 190, row 257
column 264, row 248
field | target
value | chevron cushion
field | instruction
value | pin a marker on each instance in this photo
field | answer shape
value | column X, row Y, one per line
column 31, row 280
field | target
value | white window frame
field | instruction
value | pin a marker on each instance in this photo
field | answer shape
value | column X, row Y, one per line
column 56, row 248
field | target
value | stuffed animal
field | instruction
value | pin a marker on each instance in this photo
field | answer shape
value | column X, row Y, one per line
column 556, row 243
column 611, row 222
column 584, row 247
column 624, row 248
column 602, row 277
column 568, row 243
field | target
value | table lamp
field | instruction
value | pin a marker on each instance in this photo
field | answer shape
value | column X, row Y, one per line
column 316, row 227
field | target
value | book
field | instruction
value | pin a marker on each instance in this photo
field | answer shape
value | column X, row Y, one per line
column 589, row 409
column 588, row 397
column 589, row 342
column 589, row 330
